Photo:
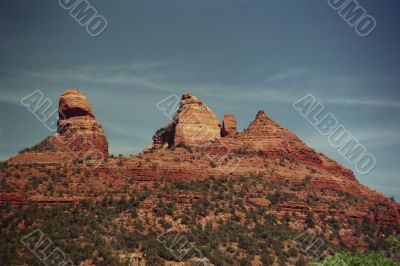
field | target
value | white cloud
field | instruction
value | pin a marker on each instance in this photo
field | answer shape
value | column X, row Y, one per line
column 377, row 138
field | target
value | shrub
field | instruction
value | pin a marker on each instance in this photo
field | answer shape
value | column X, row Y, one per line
column 165, row 224
column 230, row 249
column 186, row 147
column 131, row 180
column 267, row 259
column 292, row 252
column 310, row 220
column 365, row 259
column 3, row 166
column 245, row 262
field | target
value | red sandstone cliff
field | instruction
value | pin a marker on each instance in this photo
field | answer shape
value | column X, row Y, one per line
column 79, row 135
column 206, row 150
column 193, row 124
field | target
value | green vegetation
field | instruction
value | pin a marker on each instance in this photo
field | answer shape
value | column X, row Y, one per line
column 391, row 258
column 358, row 259
column 3, row 166
column 280, row 196
column 80, row 236
column 158, row 133
column 232, row 221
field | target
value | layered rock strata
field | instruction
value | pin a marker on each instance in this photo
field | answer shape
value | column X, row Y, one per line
column 194, row 123
column 78, row 136
column 229, row 126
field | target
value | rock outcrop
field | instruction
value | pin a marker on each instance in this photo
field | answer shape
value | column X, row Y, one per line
column 266, row 163
column 193, row 124
column 78, row 136
column 78, row 130
column 229, row 126
column 264, row 134
column 196, row 124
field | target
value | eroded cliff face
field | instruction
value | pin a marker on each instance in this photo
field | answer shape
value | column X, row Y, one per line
column 78, row 130
column 265, row 135
column 194, row 124
column 78, row 135
column 229, row 126
column 264, row 149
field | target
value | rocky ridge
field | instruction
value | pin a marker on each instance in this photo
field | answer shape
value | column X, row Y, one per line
column 194, row 147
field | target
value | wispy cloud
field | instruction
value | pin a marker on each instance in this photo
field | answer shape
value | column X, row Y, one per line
column 294, row 84
column 360, row 101
column 282, row 87
column 378, row 138
column 143, row 74
column 287, row 74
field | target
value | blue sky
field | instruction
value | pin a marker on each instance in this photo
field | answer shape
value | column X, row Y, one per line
column 237, row 56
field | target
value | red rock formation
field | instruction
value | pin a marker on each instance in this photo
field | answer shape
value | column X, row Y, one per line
column 229, row 126
column 336, row 168
column 78, row 131
column 292, row 206
column 13, row 198
column 193, row 124
column 266, row 136
column 265, row 149
column 72, row 104
column 79, row 135
column 42, row 157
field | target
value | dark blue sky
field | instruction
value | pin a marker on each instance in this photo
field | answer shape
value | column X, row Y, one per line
column 238, row 56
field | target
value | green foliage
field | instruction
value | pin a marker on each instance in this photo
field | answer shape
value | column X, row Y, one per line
column 3, row 166
column 213, row 164
column 267, row 259
column 310, row 220
column 129, row 219
column 394, row 243
column 165, row 135
column 192, row 186
column 357, row 259
column 4, row 185
column 280, row 196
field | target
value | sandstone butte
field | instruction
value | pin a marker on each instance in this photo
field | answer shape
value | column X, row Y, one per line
column 194, row 146
column 78, row 135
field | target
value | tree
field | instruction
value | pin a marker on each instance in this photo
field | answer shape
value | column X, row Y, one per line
column 357, row 259
column 310, row 220
column 394, row 251
column 267, row 259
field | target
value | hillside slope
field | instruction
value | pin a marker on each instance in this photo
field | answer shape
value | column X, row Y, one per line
column 238, row 197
